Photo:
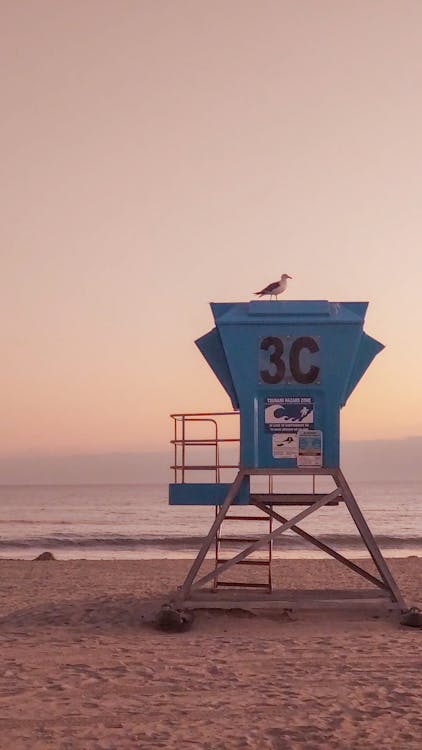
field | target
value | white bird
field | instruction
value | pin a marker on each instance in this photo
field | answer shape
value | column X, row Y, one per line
column 276, row 288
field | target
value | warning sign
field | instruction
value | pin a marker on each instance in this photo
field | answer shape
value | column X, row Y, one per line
column 285, row 445
column 309, row 448
column 289, row 413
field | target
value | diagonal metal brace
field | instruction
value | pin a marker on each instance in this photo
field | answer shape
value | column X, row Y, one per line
column 324, row 547
column 267, row 538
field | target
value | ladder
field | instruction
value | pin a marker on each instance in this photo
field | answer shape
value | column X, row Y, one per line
column 223, row 541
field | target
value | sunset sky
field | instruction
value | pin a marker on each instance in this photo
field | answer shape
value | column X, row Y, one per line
column 160, row 154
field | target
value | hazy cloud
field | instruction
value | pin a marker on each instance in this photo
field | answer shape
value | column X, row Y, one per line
column 366, row 460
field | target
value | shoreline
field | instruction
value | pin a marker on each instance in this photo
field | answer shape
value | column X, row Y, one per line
column 165, row 554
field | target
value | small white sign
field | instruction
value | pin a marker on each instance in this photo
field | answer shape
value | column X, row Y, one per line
column 285, row 445
column 309, row 448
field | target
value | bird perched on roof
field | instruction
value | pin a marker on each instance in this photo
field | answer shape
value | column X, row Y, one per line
column 276, row 288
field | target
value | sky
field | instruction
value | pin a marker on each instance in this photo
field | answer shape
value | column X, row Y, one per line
column 157, row 155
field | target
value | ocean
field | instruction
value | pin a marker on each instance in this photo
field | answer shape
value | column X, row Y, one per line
column 135, row 521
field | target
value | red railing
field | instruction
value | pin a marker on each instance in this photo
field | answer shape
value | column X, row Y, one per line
column 184, row 439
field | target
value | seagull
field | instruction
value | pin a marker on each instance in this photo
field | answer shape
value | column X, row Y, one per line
column 276, row 288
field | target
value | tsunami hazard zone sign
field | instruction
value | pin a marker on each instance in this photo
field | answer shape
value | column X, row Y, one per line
column 288, row 413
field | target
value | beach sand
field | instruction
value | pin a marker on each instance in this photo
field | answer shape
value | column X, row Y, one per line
column 80, row 668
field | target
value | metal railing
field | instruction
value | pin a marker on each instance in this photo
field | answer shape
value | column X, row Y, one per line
column 184, row 439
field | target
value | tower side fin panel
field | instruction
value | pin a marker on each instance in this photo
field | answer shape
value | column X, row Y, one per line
column 212, row 349
column 359, row 308
column 367, row 350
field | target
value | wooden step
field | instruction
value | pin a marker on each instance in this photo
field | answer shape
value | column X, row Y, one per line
column 246, row 518
column 244, row 562
column 236, row 539
column 243, row 585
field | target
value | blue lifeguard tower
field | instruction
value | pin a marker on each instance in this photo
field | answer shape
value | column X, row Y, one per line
column 288, row 368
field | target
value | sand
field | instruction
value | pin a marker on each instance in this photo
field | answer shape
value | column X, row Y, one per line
column 80, row 668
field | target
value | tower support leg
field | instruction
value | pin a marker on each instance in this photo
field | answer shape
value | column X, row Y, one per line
column 368, row 539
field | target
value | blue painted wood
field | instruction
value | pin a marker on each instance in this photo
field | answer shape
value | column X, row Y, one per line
column 204, row 493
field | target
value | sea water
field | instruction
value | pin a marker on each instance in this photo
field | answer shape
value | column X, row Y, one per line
column 135, row 521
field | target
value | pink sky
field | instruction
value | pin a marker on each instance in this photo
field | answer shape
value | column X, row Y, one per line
column 157, row 155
